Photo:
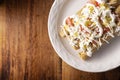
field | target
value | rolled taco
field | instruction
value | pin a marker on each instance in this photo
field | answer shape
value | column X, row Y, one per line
column 91, row 27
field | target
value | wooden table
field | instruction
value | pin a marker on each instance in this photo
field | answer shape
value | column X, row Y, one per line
column 25, row 49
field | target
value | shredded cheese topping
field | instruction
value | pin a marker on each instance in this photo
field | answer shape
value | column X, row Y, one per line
column 90, row 27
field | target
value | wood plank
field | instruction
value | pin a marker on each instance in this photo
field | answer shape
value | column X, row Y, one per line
column 69, row 73
column 2, row 34
column 25, row 49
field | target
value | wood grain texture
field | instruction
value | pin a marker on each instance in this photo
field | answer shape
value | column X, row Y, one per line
column 25, row 49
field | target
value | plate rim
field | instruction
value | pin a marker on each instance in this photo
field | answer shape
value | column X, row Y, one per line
column 49, row 18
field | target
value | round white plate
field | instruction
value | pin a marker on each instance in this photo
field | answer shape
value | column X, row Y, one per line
column 107, row 58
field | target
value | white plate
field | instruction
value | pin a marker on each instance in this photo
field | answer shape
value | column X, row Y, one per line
column 107, row 58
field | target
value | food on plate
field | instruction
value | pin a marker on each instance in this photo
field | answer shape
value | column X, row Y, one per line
column 114, row 2
column 95, row 24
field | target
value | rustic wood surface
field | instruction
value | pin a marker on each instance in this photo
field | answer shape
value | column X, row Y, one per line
column 25, row 49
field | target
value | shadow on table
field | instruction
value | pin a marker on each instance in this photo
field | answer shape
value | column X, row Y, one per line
column 109, row 75
column 112, row 74
column 1, row 1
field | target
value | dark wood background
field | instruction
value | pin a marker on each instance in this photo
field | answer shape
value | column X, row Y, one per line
column 25, row 49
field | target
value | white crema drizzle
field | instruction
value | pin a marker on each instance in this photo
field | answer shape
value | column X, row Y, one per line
column 86, row 38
